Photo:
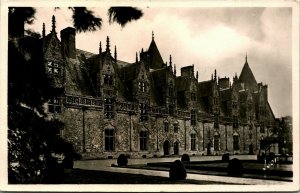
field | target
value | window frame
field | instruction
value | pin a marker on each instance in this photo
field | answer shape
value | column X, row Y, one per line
column 193, row 142
column 110, row 138
column 193, row 117
column 143, row 139
column 52, row 67
column 108, row 108
column 55, row 104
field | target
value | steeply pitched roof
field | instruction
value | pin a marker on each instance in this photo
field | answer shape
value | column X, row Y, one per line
column 247, row 76
column 205, row 88
column 156, row 60
column 182, row 83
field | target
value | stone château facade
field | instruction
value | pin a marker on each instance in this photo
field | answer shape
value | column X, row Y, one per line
column 145, row 109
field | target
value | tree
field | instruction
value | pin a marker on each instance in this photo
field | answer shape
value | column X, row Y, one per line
column 32, row 137
column 83, row 19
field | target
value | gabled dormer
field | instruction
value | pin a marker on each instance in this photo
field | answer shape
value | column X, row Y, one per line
column 141, row 83
column 53, row 59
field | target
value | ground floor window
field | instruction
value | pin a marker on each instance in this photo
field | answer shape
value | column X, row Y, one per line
column 193, row 142
column 236, row 145
column 216, row 142
column 143, row 140
column 109, row 139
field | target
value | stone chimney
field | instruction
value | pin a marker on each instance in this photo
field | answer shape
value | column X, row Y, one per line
column 224, row 83
column 187, row 71
column 67, row 36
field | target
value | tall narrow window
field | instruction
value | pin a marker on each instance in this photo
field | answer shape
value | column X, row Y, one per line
column 143, row 112
column 215, row 100
column 193, row 96
column 166, row 126
column 262, row 127
column 171, row 91
column 176, row 127
column 54, row 105
column 108, row 79
column 143, row 140
column 193, row 142
column 193, row 117
column 235, row 122
column 236, row 145
column 171, row 110
column 142, row 86
column 109, row 139
column 217, row 142
column 108, row 108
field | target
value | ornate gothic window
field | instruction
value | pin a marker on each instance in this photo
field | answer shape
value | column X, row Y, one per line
column 108, row 79
column 53, row 68
column 108, row 108
column 193, row 117
column 143, row 140
column 143, row 112
column 193, row 142
column 109, row 139
column 54, row 105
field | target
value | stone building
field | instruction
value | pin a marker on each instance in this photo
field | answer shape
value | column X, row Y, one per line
column 145, row 108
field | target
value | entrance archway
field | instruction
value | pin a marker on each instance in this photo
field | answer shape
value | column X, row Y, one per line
column 176, row 148
column 166, row 147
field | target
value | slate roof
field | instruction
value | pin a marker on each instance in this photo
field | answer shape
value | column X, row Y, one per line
column 247, row 76
column 156, row 60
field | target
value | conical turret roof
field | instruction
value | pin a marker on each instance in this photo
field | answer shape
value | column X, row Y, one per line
column 156, row 60
column 247, row 76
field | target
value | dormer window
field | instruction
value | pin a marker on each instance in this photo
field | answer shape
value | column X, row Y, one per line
column 108, row 79
column 215, row 100
column 142, row 86
column 234, row 104
column 53, row 68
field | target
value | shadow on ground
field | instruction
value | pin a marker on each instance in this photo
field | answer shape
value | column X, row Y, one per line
column 79, row 176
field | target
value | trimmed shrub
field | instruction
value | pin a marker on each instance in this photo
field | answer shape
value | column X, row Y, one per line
column 177, row 171
column 270, row 157
column 225, row 157
column 235, row 167
column 185, row 158
column 122, row 160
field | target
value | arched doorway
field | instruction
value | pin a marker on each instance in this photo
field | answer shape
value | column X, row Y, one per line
column 166, row 147
column 176, row 148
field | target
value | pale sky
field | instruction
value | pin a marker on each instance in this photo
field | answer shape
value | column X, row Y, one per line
column 209, row 38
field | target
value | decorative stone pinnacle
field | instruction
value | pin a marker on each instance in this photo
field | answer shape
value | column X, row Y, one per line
column 107, row 45
column 53, row 23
